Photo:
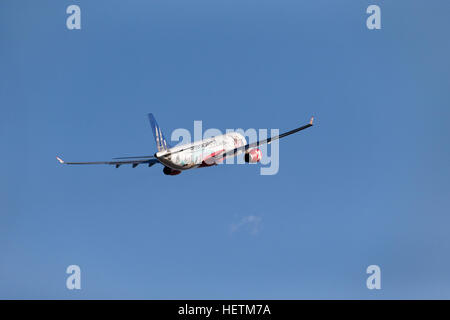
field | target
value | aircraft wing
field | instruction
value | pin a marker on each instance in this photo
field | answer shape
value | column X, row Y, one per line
column 117, row 163
column 268, row 141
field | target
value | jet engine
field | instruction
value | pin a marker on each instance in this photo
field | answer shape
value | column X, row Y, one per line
column 253, row 155
column 170, row 172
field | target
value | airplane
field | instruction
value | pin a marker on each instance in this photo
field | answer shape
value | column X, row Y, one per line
column 198, row 154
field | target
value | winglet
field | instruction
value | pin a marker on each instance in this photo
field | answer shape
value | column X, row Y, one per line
column 60, row 160
column 311, row 121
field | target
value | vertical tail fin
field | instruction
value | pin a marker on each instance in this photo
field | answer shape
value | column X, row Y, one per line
column 160, row 140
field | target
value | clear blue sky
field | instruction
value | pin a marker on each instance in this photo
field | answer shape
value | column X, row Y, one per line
column 369, row 184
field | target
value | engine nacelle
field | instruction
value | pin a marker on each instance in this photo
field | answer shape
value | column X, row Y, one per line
column 170, row 172
column 253, row 155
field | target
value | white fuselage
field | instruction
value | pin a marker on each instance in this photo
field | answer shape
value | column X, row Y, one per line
column 202, row 153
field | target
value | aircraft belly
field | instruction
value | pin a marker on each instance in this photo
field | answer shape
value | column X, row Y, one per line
column 178, row 161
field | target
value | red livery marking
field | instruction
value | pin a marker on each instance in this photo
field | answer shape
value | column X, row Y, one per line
column 209, row 159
